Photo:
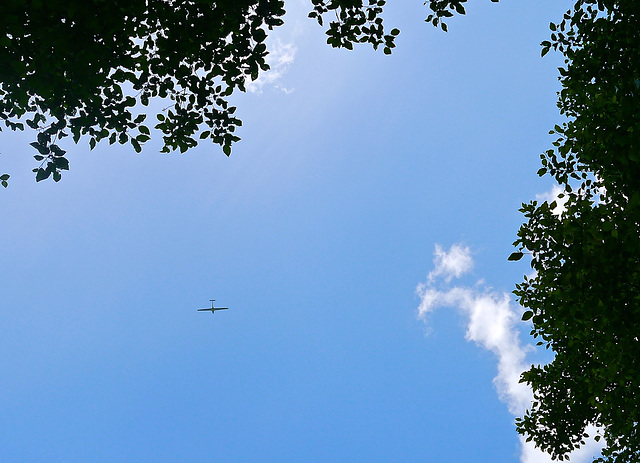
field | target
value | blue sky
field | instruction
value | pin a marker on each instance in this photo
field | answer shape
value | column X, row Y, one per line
column 363, row 183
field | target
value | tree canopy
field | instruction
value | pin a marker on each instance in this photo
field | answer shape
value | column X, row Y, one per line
column 584, row 299
column 85, row 67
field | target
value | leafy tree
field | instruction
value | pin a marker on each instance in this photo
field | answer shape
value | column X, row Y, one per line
column 584, row 299
column 85, row 67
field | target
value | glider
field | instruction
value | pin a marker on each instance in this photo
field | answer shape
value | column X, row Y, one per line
column 212, row 309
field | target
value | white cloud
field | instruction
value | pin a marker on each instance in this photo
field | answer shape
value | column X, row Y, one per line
column 530, row 454
column 492, row 324
column 584, row 454
column 281, row 57
column 454, row 263
column 553, row 195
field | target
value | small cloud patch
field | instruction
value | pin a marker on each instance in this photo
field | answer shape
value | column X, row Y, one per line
column 492, row 323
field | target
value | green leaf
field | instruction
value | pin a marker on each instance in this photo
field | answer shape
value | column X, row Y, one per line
column 42, row 148
column 61, row 163
column 42, row 174
column 515, row 256
column 527, row 315
column 136, row 145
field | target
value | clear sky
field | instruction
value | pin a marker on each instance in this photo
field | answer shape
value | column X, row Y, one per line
column 359, row 234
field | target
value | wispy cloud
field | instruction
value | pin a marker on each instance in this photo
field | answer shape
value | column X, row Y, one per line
column 492, row 324
column 281, row 57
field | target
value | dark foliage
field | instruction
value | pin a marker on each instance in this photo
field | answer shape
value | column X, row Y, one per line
column 585, row 297
column 88, row 68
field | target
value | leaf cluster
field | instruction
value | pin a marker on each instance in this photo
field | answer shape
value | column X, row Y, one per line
column 355, row 22
column 442, row 9
column 88, row 68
